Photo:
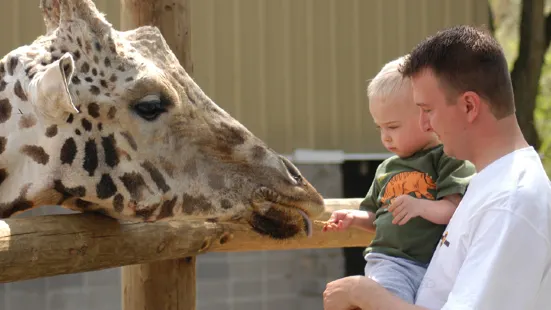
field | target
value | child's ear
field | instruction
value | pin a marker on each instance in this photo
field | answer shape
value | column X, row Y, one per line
column 49, row 89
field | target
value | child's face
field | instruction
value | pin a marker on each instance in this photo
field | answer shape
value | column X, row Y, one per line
column 397, row 118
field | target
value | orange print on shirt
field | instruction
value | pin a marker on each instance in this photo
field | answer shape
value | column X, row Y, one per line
column 405, row 183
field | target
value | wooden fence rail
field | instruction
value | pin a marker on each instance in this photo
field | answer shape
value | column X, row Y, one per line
column 51, row 245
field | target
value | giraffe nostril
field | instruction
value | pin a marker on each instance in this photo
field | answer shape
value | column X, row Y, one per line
column 293, row 171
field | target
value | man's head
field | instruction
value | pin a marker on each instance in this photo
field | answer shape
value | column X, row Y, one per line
column 394, row 112
column 461, row 82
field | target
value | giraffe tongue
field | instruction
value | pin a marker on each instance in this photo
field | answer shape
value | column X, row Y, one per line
column 307, row 222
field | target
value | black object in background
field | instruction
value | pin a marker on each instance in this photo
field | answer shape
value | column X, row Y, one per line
column 357, row 177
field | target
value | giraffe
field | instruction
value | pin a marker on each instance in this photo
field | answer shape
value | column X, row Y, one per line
column 99, row 120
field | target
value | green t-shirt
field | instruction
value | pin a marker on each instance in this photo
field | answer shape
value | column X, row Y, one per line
column 428, row 174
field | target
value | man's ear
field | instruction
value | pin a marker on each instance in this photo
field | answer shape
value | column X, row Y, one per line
column 49, row 89
column 471, row 102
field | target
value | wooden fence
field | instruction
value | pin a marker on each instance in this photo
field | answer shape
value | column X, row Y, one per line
column 51, row 245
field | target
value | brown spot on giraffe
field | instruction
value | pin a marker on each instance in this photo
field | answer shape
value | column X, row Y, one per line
column 86, row 124
column 167, row 208
column 20, row 204
column 19, row 92
column 130, row 140
column 112, row 112
column 216, row 181
column 90, row 163
column 36, row 153
column 27, row 121
column 3, row 175
column 167, row 166
column 106, row 187
column 156, row 176
column 93, row 109
column 83, row 205
column 12, row 64
column 225, row 204
column 68, row 151
column 147, row 212
column 135, row 185
column 51, row 131
column 3, row 142
column 85, row 67
column 5, row 110
column 118, row 203
column 111, row 155
column 94, row 90
column 66, row 193
column 196, row 204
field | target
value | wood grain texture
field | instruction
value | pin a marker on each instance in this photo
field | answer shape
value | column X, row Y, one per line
column 169, row 284
column 61, row 244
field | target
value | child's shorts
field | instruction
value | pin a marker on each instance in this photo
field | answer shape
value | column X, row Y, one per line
column 400, row 276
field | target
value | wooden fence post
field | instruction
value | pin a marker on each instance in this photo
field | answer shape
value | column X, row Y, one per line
column 169, row 284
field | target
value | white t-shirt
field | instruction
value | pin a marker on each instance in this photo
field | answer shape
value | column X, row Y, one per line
column 496, row 253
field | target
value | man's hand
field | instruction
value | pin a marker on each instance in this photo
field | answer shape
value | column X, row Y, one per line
column 404, row 208
column 338, row 294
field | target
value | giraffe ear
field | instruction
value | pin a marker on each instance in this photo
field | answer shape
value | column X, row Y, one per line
column 50, row 88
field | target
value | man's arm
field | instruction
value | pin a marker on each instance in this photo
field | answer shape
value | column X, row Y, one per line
column 440, row 211
column 369, row 295
column 504, row 265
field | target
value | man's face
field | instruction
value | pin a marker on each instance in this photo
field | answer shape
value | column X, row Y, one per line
column 438, row 115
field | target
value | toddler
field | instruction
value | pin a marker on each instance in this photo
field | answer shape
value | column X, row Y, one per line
column 414, row 192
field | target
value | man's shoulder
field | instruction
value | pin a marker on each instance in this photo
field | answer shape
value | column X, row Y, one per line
column 523, row 189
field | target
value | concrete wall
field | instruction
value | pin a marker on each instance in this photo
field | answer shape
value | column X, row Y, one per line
column 263, row 280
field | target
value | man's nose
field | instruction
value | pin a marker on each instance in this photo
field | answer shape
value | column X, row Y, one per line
column 424, row 123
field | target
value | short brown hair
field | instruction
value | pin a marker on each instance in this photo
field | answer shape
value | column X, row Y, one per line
column 466, row 58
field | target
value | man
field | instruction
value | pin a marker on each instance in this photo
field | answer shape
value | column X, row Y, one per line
column 495, row 252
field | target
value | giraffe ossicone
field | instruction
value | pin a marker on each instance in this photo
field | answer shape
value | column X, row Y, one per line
column 100, row 120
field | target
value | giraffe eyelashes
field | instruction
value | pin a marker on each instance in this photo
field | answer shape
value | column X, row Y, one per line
column 150, row 108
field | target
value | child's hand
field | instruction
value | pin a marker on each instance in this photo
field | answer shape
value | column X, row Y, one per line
column 340, row 220
column 404, row 208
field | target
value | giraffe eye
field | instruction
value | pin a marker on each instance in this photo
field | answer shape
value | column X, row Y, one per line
column 149, row 108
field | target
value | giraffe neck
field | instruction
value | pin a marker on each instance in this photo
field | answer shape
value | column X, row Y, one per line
column 24, row 158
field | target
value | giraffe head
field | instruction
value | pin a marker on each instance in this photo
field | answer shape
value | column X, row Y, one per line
column 96, row 119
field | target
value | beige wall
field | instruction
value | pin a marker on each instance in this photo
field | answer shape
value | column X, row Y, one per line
column 293, row 71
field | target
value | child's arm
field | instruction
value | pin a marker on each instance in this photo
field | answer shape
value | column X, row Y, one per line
column 343, row 219
column 405, row 207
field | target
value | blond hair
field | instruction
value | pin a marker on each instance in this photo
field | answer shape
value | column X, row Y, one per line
column 389, row 81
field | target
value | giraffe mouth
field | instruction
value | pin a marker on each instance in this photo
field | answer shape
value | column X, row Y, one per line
column 277, row 216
